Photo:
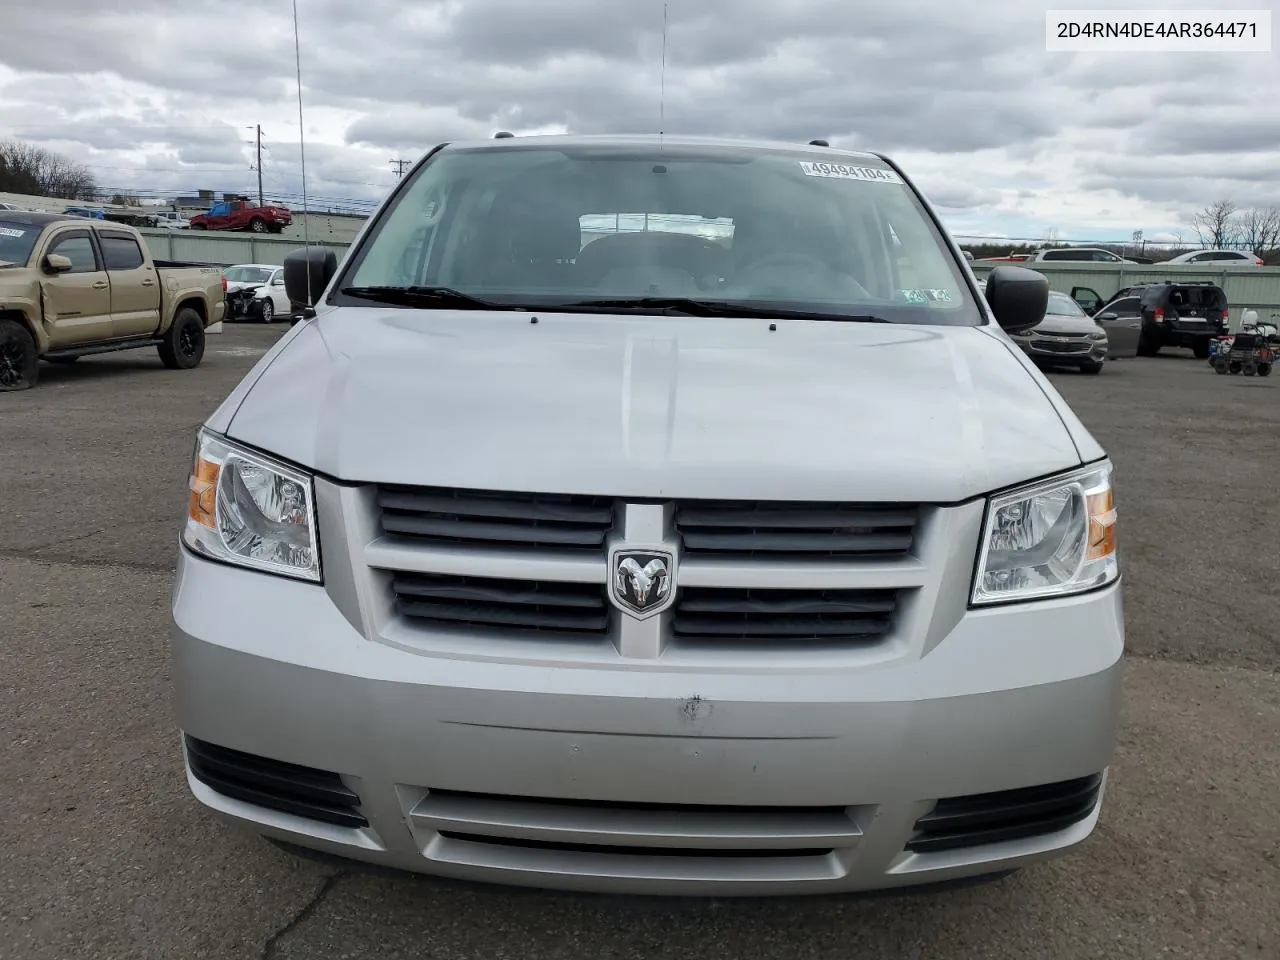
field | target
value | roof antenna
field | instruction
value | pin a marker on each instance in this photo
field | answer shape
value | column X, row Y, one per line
column 662, row 96
column 302, row 149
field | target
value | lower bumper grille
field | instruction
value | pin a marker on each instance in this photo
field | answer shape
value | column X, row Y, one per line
column 795, row 616
column 640, row 840
column 274, row 784
column 979, row 819
column 516, row 606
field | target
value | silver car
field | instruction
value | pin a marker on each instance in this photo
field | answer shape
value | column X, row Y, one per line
column 653, row 515
column 1066, row 337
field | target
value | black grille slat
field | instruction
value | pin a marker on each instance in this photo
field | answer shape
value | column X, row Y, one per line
column 771, row 542
column 506, row 605
column 793, row 615
column 748, row 602
column 963, row 822
column 274, row 784
column 519, row 592
column 443, row 528
column 488, row 518
column 463, row 505
column 784, row 516
column 795, row 530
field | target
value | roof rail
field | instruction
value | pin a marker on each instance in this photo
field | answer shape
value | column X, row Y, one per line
column 503, row 135
column 819, row 143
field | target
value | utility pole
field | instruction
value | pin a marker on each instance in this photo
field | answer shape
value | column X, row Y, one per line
column 399, row 165
column 260, row 201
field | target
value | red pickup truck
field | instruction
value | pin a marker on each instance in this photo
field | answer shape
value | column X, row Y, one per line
column 242, row 215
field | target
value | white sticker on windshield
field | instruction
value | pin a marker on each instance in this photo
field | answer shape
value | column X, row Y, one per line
column 927, row 295
column 841, row 171
column 10, row 232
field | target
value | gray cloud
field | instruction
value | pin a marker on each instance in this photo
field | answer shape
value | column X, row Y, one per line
column 966, row 90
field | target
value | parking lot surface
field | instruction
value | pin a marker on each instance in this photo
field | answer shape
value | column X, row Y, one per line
column 103, row 854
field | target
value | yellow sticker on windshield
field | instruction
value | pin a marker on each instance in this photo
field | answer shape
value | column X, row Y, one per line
column 843, row 171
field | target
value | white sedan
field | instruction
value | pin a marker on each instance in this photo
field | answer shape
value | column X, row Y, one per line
column 256, row 290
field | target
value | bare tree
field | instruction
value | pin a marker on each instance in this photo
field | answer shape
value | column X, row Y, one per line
column 1216, row 224
column 29, row 169
column 1260, row 229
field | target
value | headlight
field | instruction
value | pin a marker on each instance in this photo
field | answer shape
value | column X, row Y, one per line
column 249, row 510
column 1049, row 539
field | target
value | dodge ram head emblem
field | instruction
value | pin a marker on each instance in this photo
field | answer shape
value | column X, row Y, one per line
column 642, row 581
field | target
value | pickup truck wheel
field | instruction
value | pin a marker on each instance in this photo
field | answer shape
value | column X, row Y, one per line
column 19, row 364
column 258, row 225
column 183, row 346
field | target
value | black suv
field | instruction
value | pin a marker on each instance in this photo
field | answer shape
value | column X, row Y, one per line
column 1172, row 314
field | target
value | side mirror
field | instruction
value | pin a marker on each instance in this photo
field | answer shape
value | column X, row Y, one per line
column 307, row 273
column 57, row 263
column 1018, row 297
column 1106, row 316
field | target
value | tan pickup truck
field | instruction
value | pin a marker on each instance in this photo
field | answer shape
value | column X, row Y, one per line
column 70, row 287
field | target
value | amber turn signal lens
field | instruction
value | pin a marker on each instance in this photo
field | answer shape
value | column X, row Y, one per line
column 1102, row 524
column 204, row 490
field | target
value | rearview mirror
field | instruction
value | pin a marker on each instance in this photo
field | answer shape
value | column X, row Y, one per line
column 307, row 273
column 1018, row 297
column 1106, row 316
column 57, row 263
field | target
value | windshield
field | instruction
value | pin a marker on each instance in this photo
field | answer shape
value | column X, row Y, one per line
column 535, row 226
column 16, row 241
column 1060, row 305
column 248, row 274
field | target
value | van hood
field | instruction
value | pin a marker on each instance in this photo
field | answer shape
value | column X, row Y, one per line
column 643, row 406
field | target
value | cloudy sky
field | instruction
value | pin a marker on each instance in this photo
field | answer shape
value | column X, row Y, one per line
column 1006, row 139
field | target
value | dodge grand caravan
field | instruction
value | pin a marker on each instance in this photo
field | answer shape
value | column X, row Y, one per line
column 652, row 515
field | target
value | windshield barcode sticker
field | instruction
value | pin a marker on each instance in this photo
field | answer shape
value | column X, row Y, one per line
column 842, row 171
column 10, row 232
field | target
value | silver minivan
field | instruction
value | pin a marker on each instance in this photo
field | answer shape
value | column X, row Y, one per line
column 653, row 515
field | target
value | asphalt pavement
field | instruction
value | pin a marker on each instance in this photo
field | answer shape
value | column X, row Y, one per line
column 103, row 854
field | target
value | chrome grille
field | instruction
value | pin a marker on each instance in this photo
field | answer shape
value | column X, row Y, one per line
column 540, row 521
column 454, row 567
column 792, row 616
column 795, row 530
column 1056, row 346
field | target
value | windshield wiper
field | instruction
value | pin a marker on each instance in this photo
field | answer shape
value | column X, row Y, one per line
column 694, row 307
column 438, row 298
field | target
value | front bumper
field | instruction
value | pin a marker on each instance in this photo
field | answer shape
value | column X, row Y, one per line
column 453, row 756
column 242, row 307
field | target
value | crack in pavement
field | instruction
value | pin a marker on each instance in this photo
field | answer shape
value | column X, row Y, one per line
column 308, row 908
column 54, row 559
